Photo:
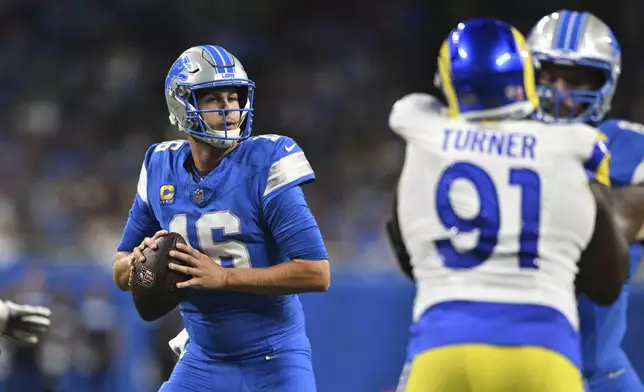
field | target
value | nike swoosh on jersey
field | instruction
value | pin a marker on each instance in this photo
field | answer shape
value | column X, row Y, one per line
column 289, row 148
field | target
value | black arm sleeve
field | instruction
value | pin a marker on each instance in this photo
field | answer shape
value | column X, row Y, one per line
column 395, row 238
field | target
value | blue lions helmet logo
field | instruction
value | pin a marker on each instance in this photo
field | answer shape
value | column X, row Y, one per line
column 178, row 71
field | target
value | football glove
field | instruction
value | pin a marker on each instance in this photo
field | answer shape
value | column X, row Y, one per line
column 23, row 324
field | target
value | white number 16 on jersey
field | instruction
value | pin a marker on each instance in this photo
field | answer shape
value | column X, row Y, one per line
column 229, row 253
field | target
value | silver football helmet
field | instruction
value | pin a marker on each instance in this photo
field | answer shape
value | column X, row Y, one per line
column 576, row 39
column 202, row 67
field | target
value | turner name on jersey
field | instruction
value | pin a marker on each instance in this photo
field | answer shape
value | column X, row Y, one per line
column 496, row 212
column 497, row 143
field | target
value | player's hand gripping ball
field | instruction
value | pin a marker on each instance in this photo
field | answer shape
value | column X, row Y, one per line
column 205, row 274
column 154, row 285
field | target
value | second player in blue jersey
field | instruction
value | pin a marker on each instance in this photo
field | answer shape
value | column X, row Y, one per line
column 580, row 67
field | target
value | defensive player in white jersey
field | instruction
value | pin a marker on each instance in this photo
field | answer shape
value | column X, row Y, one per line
column 496, row 211
column 581, row 65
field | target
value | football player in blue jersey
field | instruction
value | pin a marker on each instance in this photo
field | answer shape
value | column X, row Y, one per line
column 580, row 66
column 253, row 243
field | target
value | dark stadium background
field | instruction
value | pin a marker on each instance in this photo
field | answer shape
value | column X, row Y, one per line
column 81, row 98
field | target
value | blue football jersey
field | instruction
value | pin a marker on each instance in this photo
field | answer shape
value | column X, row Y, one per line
column 603, row 327
column 626, row 142
column 226, row 216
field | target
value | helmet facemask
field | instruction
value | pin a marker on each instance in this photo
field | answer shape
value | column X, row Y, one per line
column 196, row 125
column 583, row 99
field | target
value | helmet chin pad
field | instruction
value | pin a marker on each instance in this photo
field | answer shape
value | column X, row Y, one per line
column 222, row 140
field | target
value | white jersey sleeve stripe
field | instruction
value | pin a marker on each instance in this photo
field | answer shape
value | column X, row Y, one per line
column 286, row 170
column 142, row 187
column 638, row 175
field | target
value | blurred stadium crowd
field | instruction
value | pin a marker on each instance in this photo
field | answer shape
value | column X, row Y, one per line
column 90, row 101
column 81, row 98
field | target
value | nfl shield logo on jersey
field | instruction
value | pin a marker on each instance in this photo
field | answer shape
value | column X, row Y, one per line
column 197, row 195
column 145, row 278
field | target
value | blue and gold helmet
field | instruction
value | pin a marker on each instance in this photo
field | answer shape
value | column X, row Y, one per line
column 485, row 70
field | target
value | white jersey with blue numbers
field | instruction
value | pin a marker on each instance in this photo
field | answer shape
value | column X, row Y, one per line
column 495, row 212
column 224, row 215
column 603, row 327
